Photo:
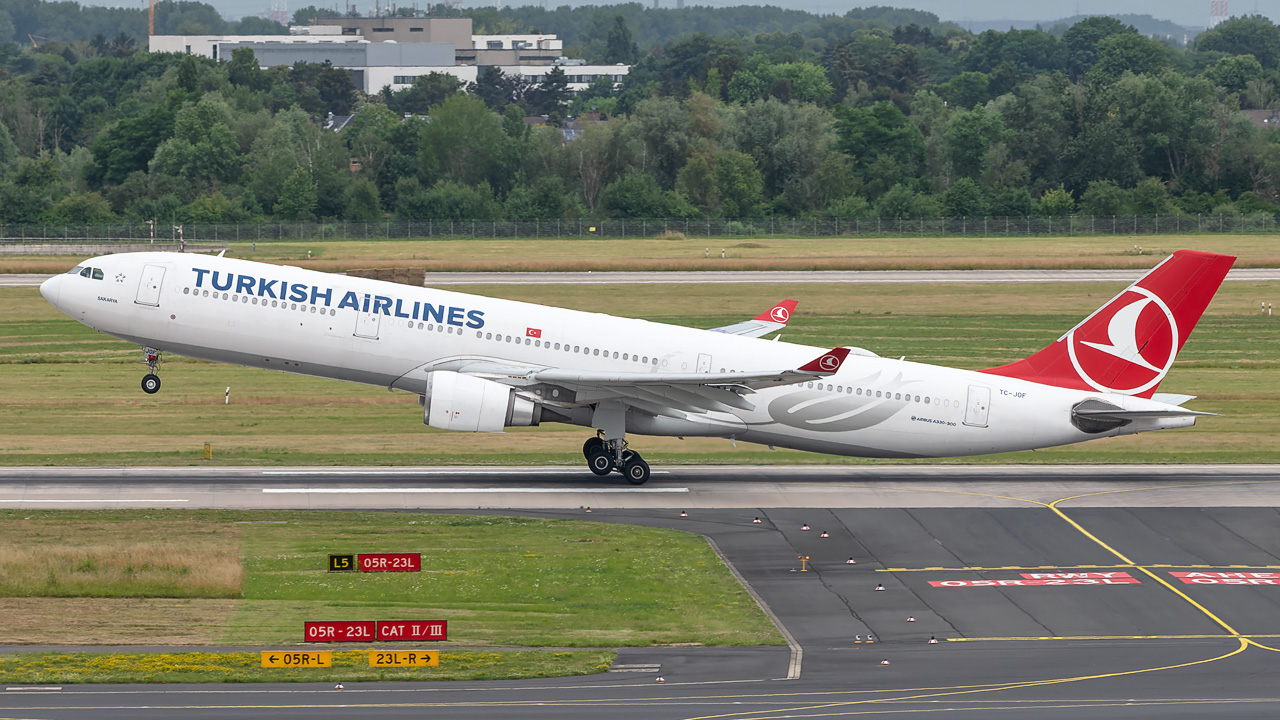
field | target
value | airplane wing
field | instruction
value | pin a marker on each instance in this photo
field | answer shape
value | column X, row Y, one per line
column 669, row 394
column 775, row 318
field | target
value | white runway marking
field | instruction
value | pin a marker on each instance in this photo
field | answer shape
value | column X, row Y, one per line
column 469, row 491
column 496, row 471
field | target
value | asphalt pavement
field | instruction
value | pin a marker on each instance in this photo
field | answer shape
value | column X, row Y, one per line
column 1042, row 606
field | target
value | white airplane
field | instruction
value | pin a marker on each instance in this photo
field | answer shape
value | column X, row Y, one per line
column 479, row 364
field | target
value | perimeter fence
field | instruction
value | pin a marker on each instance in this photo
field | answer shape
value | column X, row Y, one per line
column 1075, row 225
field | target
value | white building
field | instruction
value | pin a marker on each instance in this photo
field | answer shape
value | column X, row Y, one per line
column 385, row 61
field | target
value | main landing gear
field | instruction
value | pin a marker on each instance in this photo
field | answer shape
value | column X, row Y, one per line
column 605, row 456
column 151, row 381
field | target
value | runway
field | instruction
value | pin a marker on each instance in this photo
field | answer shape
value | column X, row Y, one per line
column 1058, row 592
column 557, row 488
column 790, row 277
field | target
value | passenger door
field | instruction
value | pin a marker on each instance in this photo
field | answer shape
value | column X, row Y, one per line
column 149, row 285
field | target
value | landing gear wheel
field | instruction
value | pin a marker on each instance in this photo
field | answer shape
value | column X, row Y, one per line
column 151, row 384
column 600, row 462
column 636, row 470
column 593, row 444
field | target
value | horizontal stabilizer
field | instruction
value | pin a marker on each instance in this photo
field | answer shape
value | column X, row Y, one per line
column 773, row 319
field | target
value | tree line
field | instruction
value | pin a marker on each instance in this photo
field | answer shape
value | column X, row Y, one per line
column 875, row 113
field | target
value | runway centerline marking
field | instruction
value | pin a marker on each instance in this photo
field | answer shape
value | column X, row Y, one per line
column 472, row 491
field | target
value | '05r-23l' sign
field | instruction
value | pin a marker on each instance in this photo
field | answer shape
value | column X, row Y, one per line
column 376, row 562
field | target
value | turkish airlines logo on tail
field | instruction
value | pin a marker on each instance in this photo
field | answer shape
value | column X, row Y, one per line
column 780, row 314
column 829, row 363
column 1126, row 347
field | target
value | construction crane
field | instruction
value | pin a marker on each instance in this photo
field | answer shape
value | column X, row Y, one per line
column 34, row 44
column 151, row 17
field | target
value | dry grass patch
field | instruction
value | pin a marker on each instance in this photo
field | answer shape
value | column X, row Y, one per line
column 105, row 557
column 112, row 621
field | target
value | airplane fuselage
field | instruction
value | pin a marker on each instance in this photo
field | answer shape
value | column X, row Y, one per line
column 379, row 333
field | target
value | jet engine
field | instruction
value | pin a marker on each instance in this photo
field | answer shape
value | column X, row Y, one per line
column 454, row 401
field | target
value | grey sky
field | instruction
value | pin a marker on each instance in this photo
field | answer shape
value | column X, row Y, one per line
column 1191, row 13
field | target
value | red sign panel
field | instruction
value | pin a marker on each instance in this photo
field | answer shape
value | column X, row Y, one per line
column 415, row 630
column 1041, row 582
column 359, row 631
column 533, row 332
column 1228, row 578
column 391, row 562
column 1076, row 575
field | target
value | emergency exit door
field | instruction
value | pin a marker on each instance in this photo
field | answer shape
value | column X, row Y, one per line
column 704, row 363
column 979, row 406
column 149, row 285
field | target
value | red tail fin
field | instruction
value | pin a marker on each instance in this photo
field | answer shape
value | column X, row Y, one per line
column 1128, row 345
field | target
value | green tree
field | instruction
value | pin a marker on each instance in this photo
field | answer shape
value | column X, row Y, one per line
column 1105, row 197
column 463, row 142
column 619, row 47
column 203, row 147
column 298, row 198
column 243, row 70
column 81, row 209
column 1056, row 203
column 881, row 130
column 1081, row 41
column 426, row 92
column 1249, row 35
column 552, row 94
column 966, row 89
column 1128, row 52
column 969, row 139
column 901, row 201
column 1234, row 72
column 129, row 145
column 964, row 199
column 545, row 199
column 1151, row 197
column 446, row 200
column 8, row 152
column 362, row 203
column 638, row 196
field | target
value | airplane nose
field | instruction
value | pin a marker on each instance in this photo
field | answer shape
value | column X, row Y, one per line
column 49, row 289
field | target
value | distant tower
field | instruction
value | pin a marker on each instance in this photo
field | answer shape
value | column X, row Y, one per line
column 679, row 4
column 1217, row 12
column 280, row 11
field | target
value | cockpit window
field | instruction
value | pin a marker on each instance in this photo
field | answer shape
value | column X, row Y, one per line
column 86, row 272
column 75, row 270
column 97, row 274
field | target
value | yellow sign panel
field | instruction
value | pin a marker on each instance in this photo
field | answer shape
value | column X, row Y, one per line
column 297, row 658
column 404, row 658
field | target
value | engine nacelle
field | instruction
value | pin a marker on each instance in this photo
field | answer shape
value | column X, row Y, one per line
column 454, row 401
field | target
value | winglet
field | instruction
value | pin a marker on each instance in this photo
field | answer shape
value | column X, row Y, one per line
column 779, row 313
column 828, row 363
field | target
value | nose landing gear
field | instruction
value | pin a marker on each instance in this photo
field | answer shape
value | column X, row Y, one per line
column 151, row 381
column 605, row 456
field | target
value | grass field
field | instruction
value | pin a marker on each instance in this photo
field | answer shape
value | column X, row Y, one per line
column 253, row 578
column 61, row 380
column 765, row 254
